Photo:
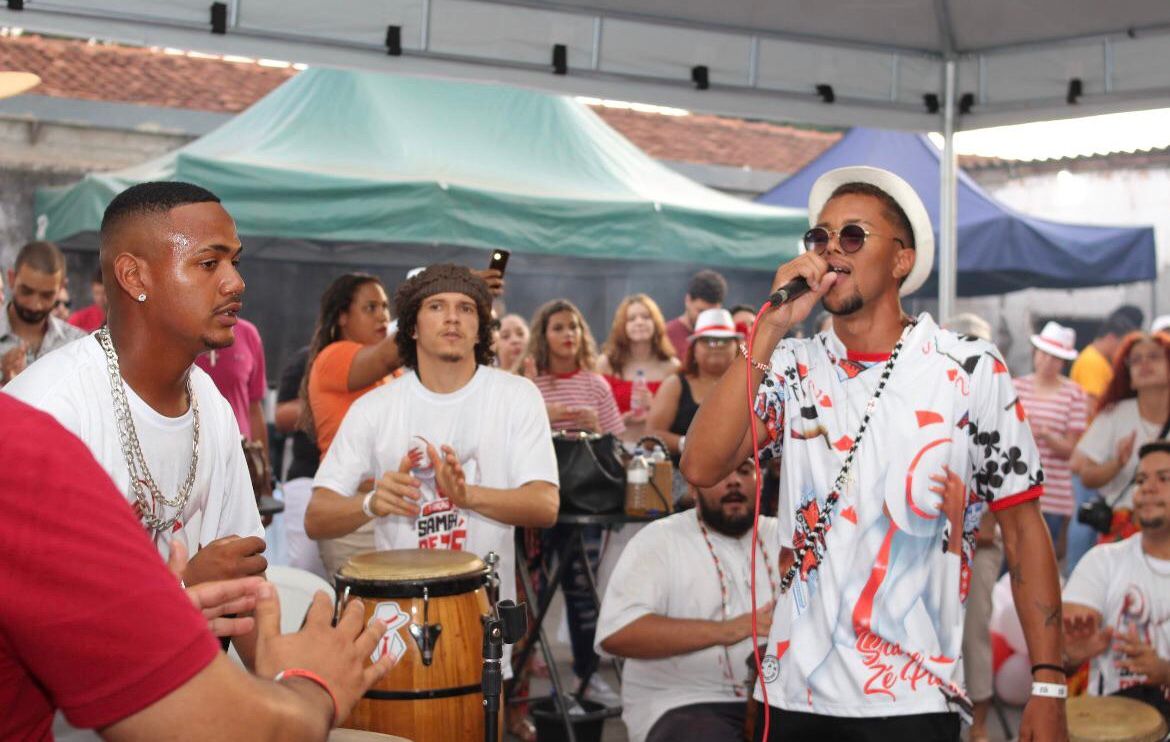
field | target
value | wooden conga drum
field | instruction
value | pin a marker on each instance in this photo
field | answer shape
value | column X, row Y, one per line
column 1113, row 719
column 434, row 602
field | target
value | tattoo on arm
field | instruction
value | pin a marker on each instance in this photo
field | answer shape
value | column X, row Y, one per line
column 1051, row 613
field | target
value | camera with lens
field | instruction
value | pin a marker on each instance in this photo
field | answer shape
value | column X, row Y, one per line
column 1097, row 515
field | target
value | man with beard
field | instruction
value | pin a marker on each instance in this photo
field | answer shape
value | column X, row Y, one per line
column 678, row 608
column 130, row 392
column 867, row 633
column 28, row 328
column 1117, row 602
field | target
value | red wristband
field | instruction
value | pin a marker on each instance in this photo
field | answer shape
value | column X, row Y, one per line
column 296, row 672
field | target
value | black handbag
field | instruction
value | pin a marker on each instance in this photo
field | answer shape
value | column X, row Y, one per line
column 593, row 477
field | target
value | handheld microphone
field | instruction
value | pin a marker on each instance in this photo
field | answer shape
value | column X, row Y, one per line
column 788, row 291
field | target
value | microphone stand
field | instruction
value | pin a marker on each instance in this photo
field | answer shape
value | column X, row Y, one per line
column 507, row 624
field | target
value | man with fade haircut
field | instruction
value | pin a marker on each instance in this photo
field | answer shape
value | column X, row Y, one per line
column 131, row 393
column 28, row 328
column 895, row 435
column 707, row 290
column 461, row 452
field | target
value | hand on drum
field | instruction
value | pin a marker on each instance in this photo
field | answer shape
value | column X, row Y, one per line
column 215, row 600
column 226, row 558
column 1141, row 659
column 336, row 654
column 740, row 627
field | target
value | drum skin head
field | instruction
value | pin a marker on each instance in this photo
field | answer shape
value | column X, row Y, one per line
column 1113, row 719
column 409, row 565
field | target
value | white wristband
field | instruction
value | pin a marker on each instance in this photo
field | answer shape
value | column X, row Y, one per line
column 1050, row 690
column 366, row 503
column 682, row 443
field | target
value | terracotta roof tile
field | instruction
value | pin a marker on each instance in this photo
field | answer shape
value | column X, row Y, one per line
column 77, row 69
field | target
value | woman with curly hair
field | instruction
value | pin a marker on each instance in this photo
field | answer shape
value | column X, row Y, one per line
column 1133, row 411
column 636, row 359
column 352, row 352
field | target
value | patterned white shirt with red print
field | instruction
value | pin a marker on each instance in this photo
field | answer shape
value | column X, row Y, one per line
column 876, row 628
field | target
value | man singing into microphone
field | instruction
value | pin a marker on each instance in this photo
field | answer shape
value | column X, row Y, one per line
column 877, row 418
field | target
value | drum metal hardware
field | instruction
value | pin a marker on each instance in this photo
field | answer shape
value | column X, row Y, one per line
column 493, row 578
column 426, row 635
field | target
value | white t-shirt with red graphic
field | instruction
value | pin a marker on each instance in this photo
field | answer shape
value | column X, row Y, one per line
column 499, row 429
column 876, row 629
column 1131, row 591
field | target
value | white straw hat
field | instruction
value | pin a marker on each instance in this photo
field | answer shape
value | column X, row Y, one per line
column 714, row 323
column 1057, row 340
column 899, row 190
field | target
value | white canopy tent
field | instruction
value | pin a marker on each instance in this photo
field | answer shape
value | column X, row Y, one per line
column 923, row 65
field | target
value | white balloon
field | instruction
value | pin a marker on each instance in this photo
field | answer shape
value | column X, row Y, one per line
column 1013, row 680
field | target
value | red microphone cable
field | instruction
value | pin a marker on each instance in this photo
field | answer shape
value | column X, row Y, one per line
column 751, row 399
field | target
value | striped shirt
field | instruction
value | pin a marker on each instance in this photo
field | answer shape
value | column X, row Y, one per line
column 1065, row 412
column 581, row 389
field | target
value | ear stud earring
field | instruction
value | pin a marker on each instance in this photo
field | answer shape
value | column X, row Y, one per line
column 142, row 297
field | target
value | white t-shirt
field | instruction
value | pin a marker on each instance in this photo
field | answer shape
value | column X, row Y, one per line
column 73, row 385
column 667, row 570
column 877, row 629
column 1131, row 591
column 497, row 425
column 1099, row 443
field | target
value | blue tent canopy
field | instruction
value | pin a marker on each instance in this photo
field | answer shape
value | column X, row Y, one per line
column 1000, row 250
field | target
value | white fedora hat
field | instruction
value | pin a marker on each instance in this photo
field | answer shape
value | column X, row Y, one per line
column 714, row 323
column 899, row 190
column 1057, row 340
column 15, row 83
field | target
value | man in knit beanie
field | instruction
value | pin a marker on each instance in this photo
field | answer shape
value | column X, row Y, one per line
column 442, row 279
column 460, row 451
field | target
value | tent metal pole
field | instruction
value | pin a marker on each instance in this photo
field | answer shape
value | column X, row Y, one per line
column 948, row 203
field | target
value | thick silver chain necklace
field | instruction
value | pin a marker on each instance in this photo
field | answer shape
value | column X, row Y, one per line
column 146, row 493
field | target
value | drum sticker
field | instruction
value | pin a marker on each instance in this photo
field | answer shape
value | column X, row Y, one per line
column 390, row 643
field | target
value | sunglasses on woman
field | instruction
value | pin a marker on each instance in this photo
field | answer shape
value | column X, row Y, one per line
column 851, row 237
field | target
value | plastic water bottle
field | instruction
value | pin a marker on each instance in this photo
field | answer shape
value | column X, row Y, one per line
column 637, row 394
column 638, row 485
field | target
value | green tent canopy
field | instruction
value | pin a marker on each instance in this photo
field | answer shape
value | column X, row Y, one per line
column 342, row 157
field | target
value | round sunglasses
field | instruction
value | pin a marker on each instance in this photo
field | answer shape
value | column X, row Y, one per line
column 851, row 237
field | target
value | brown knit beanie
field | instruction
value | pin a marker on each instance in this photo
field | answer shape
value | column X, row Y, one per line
column 438, row 279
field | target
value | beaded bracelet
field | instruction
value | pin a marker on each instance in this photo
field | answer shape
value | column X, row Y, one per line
column 296, row 672
column 755, row 364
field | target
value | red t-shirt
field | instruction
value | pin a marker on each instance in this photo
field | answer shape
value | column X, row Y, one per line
column 91, row 621
column 623, row 390
column 88, row 319
column 239, row 373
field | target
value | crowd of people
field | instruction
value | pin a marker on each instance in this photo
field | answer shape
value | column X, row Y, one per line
column 903, row 469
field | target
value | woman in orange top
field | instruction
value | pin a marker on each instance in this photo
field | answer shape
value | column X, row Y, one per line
column 352, row 352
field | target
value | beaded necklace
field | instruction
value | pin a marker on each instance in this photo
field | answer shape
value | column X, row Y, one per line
column 813, row 547
column 725, row 597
